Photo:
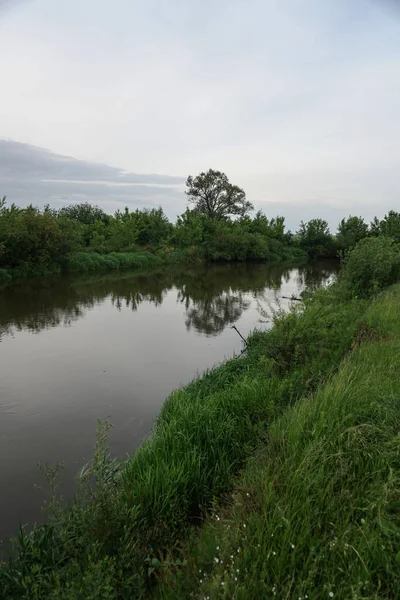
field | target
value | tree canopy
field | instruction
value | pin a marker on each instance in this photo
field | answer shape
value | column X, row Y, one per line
column 213, row 195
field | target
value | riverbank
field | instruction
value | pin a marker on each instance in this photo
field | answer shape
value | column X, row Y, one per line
column 94, row 262
column 126, row 534
column 314, row 514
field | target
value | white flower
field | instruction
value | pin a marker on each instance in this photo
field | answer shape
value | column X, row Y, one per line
column 231, row 555
column 222, row 582
column 237, row 570
column 274, row 553
column 235, row 578
column 331, row 594
column 247, row 494
column 218, row 518
column 201, row 581
column 217, row 547
column 362, row 521
column 292, row 546
column 216, row 560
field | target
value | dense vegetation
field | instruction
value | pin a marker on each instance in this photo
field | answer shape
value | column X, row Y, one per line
column 289, row 453
column 218, row 227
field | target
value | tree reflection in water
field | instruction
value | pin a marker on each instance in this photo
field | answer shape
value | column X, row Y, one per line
column 214, row 296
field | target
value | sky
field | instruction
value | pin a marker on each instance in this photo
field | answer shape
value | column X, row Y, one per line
column 297, row 101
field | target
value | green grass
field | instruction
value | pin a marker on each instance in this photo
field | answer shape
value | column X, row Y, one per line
column 89, row 262
column 316, row 510
column 129, row 525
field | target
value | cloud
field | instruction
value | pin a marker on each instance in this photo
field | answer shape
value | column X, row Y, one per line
column 296, row 101
column 29, row 174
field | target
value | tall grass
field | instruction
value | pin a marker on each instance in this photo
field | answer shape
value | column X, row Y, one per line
column 88, row 262
column 315, row 511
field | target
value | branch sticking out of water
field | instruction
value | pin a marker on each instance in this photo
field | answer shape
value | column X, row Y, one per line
column 292, row 298
column 237, row 330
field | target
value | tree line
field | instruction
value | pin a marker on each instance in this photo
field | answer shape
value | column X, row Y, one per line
column 216, row 226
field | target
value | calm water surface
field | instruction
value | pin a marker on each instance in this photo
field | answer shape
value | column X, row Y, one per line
column 74, row 350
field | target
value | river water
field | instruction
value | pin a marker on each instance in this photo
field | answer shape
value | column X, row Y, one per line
column 74, row 350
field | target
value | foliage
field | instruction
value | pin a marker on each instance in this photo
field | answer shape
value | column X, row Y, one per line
column 372, row 265
column 213, row 195
column 35, row 242
column 29, row 238
column 350, row 232
column 84, row 213
column 316, row 239
column 389, row 226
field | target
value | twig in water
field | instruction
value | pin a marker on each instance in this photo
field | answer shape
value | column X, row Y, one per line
column 237, row 330
column 292, row 298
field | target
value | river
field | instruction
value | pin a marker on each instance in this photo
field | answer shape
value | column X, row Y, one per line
column 74, row 350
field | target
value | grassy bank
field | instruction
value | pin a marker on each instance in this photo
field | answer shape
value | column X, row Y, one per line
column 93, row 262
column 274, row 414
column 315, row 513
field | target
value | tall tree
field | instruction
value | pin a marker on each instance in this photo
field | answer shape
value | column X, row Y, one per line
column 315, row 238
column 213, row 195
column 351, row 231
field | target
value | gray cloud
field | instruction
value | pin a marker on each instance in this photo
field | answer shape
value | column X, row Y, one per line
column 29, row 174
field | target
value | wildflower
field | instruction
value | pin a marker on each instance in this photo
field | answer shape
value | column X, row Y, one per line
column 292, row 546
column 231, row 555
column 331, row 594
column 237, row 570
column 201, row 581
column 274, row 553
column 362, row 521
column 218, row 518
column 217, row 547
column 216, row 560
column 244, row 525
column 235, row 578
column 222, row 582
column 247, row 494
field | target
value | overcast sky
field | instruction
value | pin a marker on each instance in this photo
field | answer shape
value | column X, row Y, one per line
column 296, row 100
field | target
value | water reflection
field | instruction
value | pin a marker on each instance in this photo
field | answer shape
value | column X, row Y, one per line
column 213, row 296
column 132, row 342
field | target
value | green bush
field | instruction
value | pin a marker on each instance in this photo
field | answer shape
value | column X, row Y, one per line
column 4, row 276
column 371, row 266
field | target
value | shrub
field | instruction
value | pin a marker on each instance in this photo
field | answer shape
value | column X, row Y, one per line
column 372, row 265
